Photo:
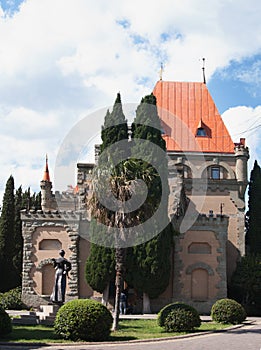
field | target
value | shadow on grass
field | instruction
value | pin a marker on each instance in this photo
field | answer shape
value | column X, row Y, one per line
column 121, row 338
column 31, row 334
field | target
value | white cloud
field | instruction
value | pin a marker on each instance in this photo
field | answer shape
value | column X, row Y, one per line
column 245, row 122
column 59, row 59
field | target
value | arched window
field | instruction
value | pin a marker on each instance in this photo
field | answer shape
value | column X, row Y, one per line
column 215, row 172
column 184, row 170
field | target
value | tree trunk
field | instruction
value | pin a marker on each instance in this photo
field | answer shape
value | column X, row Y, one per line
column 116, row 315
column 146, row 304
column 120, row 261
column 105, row 295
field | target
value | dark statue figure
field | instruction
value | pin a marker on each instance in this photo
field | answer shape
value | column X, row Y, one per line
column 62, row 267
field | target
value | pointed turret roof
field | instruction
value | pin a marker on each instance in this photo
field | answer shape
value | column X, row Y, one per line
column 46, row 176
column 184, row 107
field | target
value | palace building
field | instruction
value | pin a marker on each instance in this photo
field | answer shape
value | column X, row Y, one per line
column 207, row 180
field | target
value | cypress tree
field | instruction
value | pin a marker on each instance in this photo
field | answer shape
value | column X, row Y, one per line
column 36, row 201
column 149, row 262
column 253, row 217
column 18, row 238
column 7, row 249
column 245, row 286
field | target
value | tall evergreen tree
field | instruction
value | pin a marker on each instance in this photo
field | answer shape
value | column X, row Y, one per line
column 7, row 249
column 253, row 217
column 18, row 238
column 148, row 263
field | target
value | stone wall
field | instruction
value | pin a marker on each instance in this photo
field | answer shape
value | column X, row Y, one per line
column 202, row 249
column 40, row 226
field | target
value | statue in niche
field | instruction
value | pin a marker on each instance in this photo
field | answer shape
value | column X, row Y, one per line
column 62, row 267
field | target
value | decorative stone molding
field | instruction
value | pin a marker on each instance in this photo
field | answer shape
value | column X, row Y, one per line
column 199, row 265
column 43, row 263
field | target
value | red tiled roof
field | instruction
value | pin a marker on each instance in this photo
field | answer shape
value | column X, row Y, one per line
column 183, row 108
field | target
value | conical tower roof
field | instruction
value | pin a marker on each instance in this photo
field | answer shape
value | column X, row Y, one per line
column 46, row 176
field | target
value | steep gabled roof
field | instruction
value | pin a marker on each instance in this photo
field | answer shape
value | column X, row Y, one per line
column 190, row 118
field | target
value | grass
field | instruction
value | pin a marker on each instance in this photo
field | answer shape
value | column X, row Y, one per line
column 145, row 329
column 128, row 330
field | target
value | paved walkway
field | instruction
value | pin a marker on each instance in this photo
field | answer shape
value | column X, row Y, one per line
column 21, row 313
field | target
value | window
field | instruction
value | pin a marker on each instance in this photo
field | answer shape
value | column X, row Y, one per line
column 50, row 244
column 201, row 132
column 199, row 248
column 215, row 173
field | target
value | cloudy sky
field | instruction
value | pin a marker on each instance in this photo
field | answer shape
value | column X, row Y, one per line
column 61, row 60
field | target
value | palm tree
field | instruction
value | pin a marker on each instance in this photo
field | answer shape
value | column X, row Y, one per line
column 121, row 182
column 113, row 181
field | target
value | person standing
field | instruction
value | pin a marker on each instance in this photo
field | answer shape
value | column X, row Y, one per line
column 62, row 267
column 123, row 303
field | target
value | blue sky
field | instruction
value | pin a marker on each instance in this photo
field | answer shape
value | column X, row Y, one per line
column 61, row 60
column 10, row 6
column 237, row 84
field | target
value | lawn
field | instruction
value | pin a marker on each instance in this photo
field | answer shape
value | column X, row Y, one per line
column 128, row 330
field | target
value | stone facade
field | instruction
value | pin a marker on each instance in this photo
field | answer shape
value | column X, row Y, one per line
column 200, row 269
column 206, row 206
column 44, row 234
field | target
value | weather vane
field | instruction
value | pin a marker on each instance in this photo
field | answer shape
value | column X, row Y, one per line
column 161, row 71
column 203, row 69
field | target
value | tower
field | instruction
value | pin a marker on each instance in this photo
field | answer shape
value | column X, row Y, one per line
column 242, row 156
column 48, row 200
column 214, row 168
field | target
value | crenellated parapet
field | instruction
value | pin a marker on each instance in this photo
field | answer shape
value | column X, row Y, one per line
column 51, row 216
column 211, row 219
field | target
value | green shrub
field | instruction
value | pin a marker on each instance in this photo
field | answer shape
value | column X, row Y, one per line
column 228, row 311
column 83, row 319
column 181, row 320
column 11, row 300
column 5, row 323
column 178, row 317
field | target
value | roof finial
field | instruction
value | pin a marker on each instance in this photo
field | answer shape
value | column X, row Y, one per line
column 203, row 69
column 161, row 71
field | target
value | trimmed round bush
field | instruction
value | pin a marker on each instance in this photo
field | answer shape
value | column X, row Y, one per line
column 178, row 317
column 5, row 323
column 83, row 319
column 12, row 300
column 228, row 311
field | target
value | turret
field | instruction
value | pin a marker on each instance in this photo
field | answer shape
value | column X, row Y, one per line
column 47, row 198
column 242, row 156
